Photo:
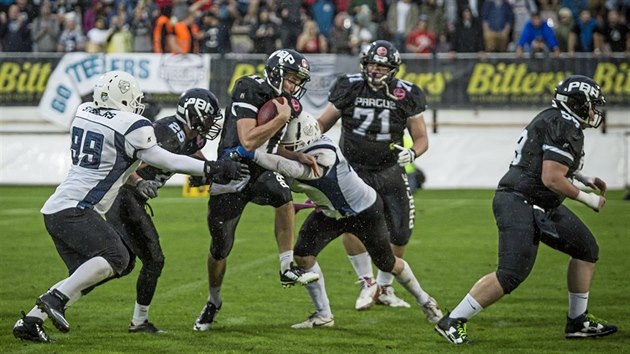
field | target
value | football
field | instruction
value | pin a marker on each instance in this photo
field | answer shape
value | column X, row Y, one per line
column 268, row 110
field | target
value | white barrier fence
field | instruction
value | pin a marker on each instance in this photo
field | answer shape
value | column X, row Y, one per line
column 469, row 151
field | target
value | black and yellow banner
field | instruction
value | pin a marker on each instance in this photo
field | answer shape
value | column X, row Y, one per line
column 23, row 80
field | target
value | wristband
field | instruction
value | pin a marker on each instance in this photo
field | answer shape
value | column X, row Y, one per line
column 589, row 199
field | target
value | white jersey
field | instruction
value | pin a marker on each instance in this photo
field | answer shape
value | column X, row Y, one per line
column 103, row 147
column 340, row 192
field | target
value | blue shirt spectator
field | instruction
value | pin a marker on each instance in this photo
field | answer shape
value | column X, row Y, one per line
column 537, row 36
column 581, row 38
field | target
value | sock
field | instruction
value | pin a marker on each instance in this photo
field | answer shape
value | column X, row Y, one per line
column 578, row 303
column 35, row 312
column 384, row 278
column 215, row 296
column 362, row 264
column 467, row 308
column 317, row 292
column 90, row 273
column 285, row 260
column 408, row 280
column 140, row 314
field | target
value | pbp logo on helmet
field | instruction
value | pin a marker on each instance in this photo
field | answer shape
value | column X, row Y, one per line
column 585, row 87
column 285, row 57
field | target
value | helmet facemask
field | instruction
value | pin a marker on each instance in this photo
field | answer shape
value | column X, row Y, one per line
column 580, row 107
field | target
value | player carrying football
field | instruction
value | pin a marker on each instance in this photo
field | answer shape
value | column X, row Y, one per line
column 286, row 73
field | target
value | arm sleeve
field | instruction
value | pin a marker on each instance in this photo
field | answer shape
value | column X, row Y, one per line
column 284, row 166
column 161, row 158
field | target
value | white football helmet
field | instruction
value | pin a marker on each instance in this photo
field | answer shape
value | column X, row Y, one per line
column 118, row 90
column 301, row 131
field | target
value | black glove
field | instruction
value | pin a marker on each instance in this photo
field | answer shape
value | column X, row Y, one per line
column 147, row 188
column 223, row 171
column 197, row 181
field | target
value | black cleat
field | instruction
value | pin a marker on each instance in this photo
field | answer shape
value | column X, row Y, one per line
column 297, row 275
column 206, row 317
column 587, row 326
column 453, row 329
column 31, row 328
column 144, row 327
column 53, row 303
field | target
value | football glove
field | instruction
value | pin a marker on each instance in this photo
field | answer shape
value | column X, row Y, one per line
column 148, row 189
column 406, row 155
column 223, row 171
column 197, row 181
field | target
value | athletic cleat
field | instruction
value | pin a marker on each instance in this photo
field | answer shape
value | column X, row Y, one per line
column 367, row 295
column 297, row 275
column 31, row 328
column 453, row 329
column 432, row 310
column 587, row 326
column 206, row 317
column 53, row 303
column 314, row 321
column 144, row 327
column 388, row 297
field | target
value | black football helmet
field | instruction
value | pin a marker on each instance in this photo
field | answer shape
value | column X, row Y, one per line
column 382, row 53
column 283, row 61
column 577, row 95
column 199, row 109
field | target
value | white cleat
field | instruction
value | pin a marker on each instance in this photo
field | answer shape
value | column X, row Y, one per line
column 388, row 297
column 314, row 321
column 367, row 295
column 432, row 310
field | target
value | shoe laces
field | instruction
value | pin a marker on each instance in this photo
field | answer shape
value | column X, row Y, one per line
column 461, row 330
column 365, row 282
column 594, row 320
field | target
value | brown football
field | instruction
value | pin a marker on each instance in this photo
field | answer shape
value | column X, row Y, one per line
column 268, row 111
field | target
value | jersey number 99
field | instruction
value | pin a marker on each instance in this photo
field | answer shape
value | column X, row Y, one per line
column 86, row 148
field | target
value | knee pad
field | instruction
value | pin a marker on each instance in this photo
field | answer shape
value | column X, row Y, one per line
column 509, row 280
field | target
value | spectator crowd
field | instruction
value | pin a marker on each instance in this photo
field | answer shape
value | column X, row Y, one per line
column 315, row 26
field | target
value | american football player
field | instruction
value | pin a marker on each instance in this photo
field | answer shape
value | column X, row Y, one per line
column 528, row 210
column 375, row 109
column 109, row 139
column 345, row 203
column 196, row 120
column 286, row 74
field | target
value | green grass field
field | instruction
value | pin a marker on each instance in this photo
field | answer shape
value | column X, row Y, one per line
column 453, row 245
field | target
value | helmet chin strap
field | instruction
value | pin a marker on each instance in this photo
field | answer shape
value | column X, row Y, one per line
column 381, row 83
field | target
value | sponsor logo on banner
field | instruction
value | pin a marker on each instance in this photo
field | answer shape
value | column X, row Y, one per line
column 76, row 73
column 23, row 81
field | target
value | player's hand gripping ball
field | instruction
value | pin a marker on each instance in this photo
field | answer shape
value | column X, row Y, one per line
column 268, row 111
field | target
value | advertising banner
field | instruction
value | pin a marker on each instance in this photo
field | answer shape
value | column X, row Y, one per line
column 489, row 83
column 23, row 80
column 158, row 75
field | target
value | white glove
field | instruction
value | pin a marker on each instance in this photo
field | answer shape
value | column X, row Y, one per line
column 406, row 155
column 148, row 189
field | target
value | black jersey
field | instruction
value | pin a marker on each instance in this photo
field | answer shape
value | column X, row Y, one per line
column 171, row 136
column 552, row 135
column 371, row 120
column 248, row 95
